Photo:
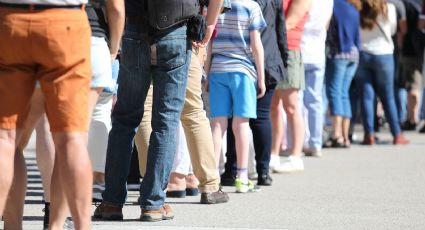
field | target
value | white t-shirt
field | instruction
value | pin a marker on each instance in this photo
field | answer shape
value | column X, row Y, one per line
column 314, row 36
column 377, row 41
column 47, row 2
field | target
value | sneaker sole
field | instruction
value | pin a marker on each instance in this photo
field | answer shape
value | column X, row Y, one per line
column 155, row 218
column 287, row 172
column 109, row 218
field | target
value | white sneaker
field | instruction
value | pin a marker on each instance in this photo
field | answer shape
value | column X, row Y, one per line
column 274, row 161
column 292, row 164
column 310, row 152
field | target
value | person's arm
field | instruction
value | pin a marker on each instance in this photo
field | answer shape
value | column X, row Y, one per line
column 282, row 40
column 214, row 9
column 258, row 53
column 115, row 13
column 296, row 12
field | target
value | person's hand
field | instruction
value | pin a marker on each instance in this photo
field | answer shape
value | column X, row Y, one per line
column 261, row 89
column 207, row 86
column 113, row 57
column 208, row 33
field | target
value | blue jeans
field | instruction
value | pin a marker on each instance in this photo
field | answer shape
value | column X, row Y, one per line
column 313, row 103
column 164, row 63
column 339, row 74
column 377, row 71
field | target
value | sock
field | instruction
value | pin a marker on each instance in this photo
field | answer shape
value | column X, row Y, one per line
column 243, row 174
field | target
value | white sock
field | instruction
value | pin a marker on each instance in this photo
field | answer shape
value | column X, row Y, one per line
column 243, row 174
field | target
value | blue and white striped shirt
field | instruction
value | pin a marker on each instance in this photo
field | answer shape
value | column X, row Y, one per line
column 231, row 49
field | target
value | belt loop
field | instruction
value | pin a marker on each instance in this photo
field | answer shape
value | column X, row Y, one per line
column 32, row 7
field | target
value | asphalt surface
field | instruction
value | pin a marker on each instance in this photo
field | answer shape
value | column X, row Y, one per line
column 379, row 187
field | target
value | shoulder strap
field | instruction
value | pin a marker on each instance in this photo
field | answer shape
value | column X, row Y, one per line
column 383, row 32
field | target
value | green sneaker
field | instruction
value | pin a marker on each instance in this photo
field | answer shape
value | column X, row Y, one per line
column 246, row 187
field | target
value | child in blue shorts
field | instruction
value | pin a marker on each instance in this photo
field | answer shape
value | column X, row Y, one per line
column 236, row 79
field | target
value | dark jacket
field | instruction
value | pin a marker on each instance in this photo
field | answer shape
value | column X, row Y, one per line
column 274, row 41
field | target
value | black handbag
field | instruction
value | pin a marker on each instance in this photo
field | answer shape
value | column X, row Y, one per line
column 196, row 27
column 165, row 14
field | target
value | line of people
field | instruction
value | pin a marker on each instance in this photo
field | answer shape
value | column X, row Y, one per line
column 272, row 67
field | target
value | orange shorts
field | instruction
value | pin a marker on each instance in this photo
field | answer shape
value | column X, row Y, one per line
column 53, row 47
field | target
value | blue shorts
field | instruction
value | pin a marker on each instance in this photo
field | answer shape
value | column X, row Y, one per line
column 232, row 94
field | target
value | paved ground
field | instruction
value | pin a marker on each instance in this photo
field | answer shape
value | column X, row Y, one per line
column 379, row 187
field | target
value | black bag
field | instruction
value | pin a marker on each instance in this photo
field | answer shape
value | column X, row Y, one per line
column 165, row 14
column 414, row 40
column 196, row 27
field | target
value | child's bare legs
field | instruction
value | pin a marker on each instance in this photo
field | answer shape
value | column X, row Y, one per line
column 218, row 126
column 240, row 128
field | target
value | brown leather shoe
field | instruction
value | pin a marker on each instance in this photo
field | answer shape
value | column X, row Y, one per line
column 368, row 140
column 400, row 140
column 107, row 212
column 165, row 213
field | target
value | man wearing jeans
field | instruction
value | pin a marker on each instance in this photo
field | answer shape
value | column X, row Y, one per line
column 161, row 57
column 48, row 41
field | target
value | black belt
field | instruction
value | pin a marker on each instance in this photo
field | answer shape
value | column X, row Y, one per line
column 39, row 6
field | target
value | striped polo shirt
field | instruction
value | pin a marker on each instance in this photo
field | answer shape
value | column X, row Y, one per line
column 231, row 49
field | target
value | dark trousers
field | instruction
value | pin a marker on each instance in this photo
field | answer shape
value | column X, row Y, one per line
column 262, row 134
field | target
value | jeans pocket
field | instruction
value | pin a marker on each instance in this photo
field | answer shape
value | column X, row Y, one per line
column 130, row 55
column 170, row 52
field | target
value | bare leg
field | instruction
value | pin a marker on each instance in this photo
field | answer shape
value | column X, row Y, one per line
column 191, row 181
column 219, row 126
column 7, row 155
column 346, row 130
column 241, row 131
column 15, row 203
column 413, row 105
column 337, row 126
column 177, row 182
column 71, row 180
column 295, row 119
column 16, row 199
column 73, row 177
column 45, row 153
column 276, row 118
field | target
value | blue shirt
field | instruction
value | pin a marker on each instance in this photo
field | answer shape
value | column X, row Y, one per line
column 231, row 49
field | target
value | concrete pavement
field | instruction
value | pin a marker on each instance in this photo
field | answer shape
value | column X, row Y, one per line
column 379, row 187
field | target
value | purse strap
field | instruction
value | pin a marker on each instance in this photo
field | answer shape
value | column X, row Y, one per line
column 383, row 32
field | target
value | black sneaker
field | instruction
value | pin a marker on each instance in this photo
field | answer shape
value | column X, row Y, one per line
column 46, row 217
column 214, row 197
column 422, row 130
column 408, row 126
column 227, row 179
column 264, row 180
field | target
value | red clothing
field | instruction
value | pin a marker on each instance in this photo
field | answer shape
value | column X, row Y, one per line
column 294, row 35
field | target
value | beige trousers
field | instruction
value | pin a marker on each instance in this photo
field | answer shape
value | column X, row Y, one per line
column 196, row 128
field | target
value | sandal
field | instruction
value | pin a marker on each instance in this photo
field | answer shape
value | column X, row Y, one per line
column 334, row 143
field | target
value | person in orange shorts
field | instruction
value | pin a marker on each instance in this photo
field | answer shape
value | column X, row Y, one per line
column 48, row 41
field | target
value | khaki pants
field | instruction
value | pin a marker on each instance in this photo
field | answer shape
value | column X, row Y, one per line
column 196, row 127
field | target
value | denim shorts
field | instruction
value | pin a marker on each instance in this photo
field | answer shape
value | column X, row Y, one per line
column 232, row 94
column 100, row 64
